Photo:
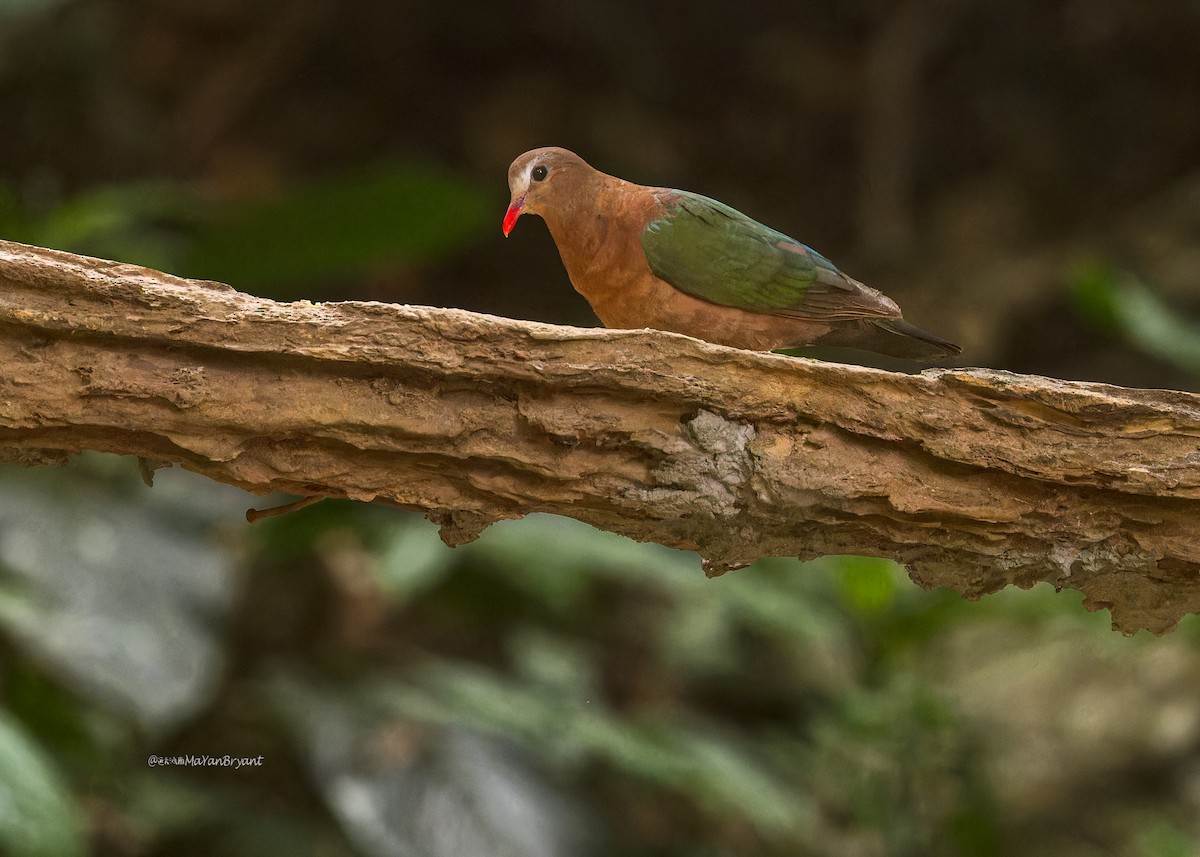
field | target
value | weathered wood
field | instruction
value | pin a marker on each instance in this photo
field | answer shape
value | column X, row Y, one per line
column 974, row 479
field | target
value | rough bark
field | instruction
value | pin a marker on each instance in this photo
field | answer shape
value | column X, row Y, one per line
column 974, row 479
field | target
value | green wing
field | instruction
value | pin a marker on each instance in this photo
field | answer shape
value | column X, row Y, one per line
column 716, row 253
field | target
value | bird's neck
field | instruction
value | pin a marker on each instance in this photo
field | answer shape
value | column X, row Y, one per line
column 588, row 220
column 572, row 221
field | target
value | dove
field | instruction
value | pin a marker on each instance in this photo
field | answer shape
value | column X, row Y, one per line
column 655, row 257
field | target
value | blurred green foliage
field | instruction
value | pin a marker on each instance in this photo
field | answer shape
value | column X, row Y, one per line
column 38, row 817
column 365, row 223
column 350, row 226
column 747, row 698
column 1117, row 301
column 133, row 223
column 617, row 696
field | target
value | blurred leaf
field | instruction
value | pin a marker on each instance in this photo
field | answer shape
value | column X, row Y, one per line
column 692, row 759
column 125, row 222
column 557, row 561
column 48, row 711
column 1095, row 293
column 561, row 665
column 1118, row 301
column 421, row 792
column 119, row 589
column 868, row 585
column 412, row 559
column 550, row 544
column 722, row 772
column 1163, row 839
column 142, row 223
column 701, row 637
column 362, row 223
column 37, row 816
column 367, row 222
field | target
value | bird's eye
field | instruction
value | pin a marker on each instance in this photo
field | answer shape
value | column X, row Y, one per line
column 539, row 173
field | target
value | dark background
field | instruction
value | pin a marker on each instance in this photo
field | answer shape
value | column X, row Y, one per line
column 1023, row 178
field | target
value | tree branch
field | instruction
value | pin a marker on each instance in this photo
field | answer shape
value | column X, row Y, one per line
column 972, row 478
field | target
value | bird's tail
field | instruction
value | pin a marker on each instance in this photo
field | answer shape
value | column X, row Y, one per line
column 915, row 342
column 894, row 337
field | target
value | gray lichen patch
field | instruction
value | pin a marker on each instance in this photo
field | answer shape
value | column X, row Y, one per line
column 718, row 435
column 708, row 468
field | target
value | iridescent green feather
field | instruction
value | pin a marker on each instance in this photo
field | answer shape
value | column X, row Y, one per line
column 714, row 252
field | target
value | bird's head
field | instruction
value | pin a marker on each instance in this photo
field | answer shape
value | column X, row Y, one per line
column 541, row 179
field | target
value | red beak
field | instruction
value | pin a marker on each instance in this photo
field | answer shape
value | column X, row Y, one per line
column 514, row 211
